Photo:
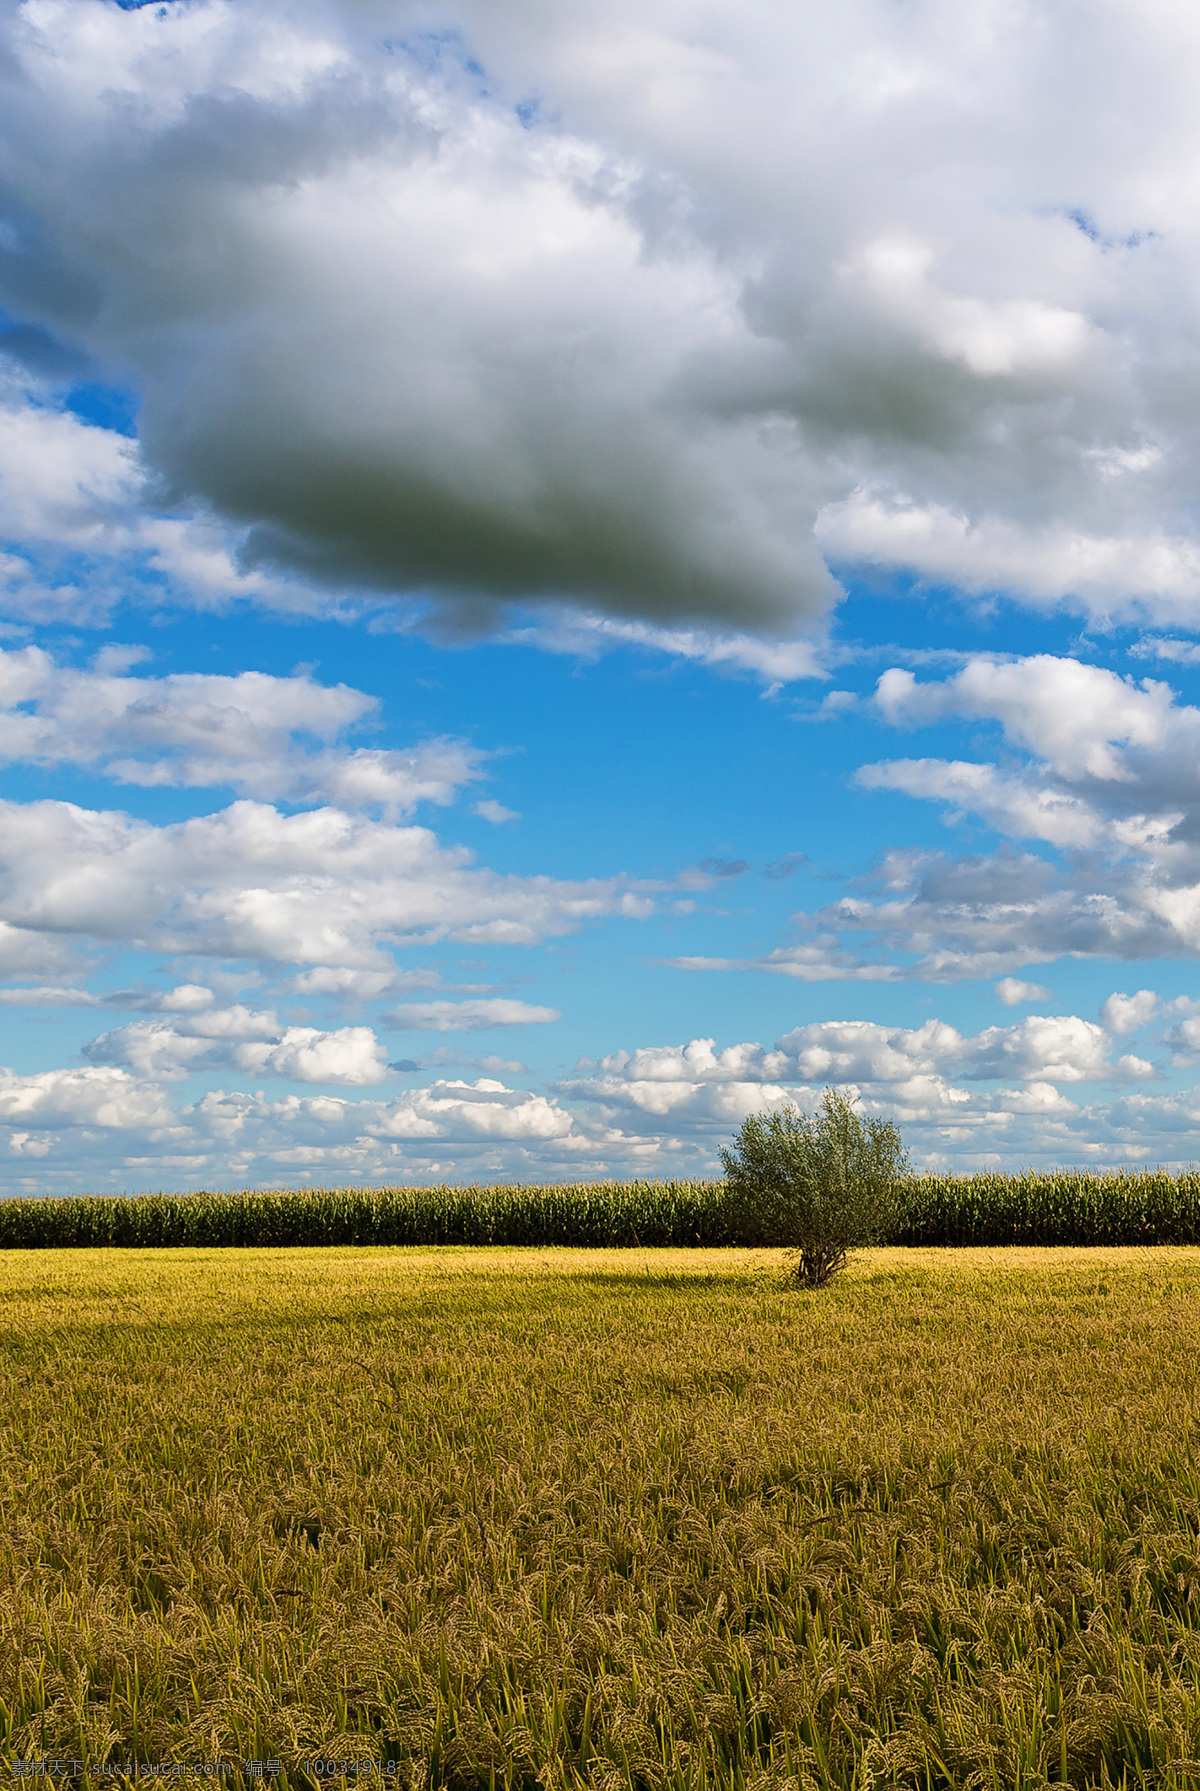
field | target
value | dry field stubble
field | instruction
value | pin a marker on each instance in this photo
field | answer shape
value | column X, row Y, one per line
column 605, row 1518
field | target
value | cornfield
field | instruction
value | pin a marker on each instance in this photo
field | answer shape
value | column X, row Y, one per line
column 628, row 1214
column 1056, row 1207
column 1060, row 1207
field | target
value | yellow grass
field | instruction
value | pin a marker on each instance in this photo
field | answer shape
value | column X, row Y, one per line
column 605, row 1518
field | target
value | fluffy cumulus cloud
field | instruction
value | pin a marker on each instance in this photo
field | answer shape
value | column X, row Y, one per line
column 963, row 1100
column 267, row 737
column 915, row 1071
column 1049, row 1087
column 91, row 1097
column 1109, row 777
column 238, row 1038
column 1012, row 991
column 469, row 1111
column 939, row 919
column 527, row 432
column 1128, row 1013
column 321, row 887
column 65, row 482
column 661, row 314
column 1087, row 725
column 1099, row 774
column 105, row 1125
column 318, row 901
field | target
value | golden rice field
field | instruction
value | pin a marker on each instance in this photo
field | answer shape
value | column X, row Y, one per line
column 563, row 1518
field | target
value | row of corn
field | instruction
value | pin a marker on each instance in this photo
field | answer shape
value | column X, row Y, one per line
column 1065, row 1206
column 604, row 1213
column 1033, row 1207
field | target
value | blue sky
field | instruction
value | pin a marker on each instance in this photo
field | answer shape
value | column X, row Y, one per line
column 570, row 575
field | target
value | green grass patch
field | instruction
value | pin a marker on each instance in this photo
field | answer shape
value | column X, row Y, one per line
column 613, row 1519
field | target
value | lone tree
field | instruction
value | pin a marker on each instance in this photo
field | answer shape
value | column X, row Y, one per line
column 820, row 1185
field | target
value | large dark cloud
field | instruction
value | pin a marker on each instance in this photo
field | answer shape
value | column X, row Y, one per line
column 647, row 311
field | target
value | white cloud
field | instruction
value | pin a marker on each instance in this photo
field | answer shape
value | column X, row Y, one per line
column 1108, row 776
column 351, row 1056
column 776, row 662
column 1184, row 1039
column 1041, row 1048
column 102, row 1126
column 1112, row 763
column 495, row 812
column 1159, row 647
column 168, row 1050
column 735, row 276
column 963, row 1101
column 1128, row 1013
column 348, row 985
column 478, row 449
column 483, row 1109
column 1115, row 577
column 919, row 1071
column 197, row 729
column 28, row 951
column 468, row 1016
column 818, row 960
column 1073, row 716
column 321, row 888
column 184, row 998
column 1013, row 992
column 63, row 481
column 48, row 995
column 1012, row 805
column 985, row 916
column 693, row 1080
column 93, row 1096
column 239, row 1038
